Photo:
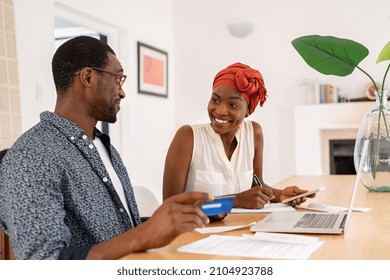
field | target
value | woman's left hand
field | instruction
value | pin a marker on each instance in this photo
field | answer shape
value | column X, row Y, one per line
column 293, row 191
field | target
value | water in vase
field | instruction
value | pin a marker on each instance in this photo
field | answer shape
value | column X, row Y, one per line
column 381, row 183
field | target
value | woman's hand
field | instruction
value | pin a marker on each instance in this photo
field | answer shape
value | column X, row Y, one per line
column 254, row 198
column 293, row 191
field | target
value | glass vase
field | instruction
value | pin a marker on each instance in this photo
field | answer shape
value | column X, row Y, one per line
column 375, row 128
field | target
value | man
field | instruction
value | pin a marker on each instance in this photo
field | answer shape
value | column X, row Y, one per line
column 65, row 193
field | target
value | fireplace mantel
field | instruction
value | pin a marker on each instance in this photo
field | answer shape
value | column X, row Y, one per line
column 316, row 124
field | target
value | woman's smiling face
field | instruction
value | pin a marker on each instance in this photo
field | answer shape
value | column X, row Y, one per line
column 227, row 109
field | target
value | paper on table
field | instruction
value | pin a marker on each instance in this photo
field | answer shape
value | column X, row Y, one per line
column 225, row 245
column 282, row 237
column 221, row 229
column 268, row 208
column 331, row 208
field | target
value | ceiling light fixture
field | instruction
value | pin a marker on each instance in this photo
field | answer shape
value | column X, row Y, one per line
column 240, row 30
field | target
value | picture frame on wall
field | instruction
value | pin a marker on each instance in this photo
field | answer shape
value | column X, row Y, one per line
column 152, row 70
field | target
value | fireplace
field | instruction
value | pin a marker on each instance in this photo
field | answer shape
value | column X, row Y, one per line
column 337, row 147
column 341, row 156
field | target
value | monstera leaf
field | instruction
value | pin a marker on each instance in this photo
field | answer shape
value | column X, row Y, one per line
column 330, row 55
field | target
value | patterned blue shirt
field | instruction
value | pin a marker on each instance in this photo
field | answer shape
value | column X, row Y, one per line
column 56, row 196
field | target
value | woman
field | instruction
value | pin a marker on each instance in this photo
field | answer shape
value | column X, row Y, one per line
column 225, row 156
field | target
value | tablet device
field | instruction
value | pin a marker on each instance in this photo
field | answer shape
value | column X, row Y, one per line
column 220, row 205
column 302, row 195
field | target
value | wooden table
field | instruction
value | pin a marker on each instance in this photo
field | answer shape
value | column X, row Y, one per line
column 367, row 237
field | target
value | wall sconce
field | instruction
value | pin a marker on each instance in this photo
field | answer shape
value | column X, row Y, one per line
column 240, row 30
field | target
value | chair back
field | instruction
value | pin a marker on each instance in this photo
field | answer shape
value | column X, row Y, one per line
column 146, row 200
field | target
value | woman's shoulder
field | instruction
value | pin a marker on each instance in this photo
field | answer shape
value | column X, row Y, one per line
column 202, row 129
column 254, row 124
column 201, row 126
column 251, row 125
column 188, row 131
column 257, row 129
column 183, row 138
column 184, row 131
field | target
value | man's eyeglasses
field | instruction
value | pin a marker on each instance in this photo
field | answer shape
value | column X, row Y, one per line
column 120, row 79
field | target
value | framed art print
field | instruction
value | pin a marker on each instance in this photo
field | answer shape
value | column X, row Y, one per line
column 152, row 70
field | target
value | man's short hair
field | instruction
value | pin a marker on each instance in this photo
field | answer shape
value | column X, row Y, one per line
column 74, row 55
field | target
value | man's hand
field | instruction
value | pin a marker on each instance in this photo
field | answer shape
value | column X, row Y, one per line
column 178, row 214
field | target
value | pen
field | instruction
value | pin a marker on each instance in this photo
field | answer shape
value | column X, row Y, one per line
column 257, row 181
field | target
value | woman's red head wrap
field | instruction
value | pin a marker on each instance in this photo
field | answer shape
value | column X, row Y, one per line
column 246, row 80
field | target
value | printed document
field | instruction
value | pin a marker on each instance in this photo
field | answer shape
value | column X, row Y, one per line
column 255, row 246
column 268, row 208
column 222, row 228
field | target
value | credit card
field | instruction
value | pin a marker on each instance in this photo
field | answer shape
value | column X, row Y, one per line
column 220, row 205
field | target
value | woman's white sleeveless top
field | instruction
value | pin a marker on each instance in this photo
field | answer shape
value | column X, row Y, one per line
column 210, row 169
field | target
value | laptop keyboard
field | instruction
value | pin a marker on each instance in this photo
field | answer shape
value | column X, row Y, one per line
column 317, row 220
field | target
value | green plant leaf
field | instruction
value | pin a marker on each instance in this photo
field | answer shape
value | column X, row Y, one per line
column 330, row 55
column 385, row 53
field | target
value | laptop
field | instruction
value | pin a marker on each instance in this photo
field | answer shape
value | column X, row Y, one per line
column 311, row 222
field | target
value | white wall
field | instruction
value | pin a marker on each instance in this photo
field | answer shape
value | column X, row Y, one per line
column 203, row 46
column 195, row 35
column 35, row 47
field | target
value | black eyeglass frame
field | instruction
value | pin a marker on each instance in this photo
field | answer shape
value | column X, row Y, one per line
column 120, row 77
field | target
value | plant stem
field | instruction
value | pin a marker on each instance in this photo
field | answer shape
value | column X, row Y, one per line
column 372, row 80
column 375, row 167
column 385, row 121
column 384, row 77
column 383, row 88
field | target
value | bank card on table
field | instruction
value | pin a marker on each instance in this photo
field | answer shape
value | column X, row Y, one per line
column 220, row 205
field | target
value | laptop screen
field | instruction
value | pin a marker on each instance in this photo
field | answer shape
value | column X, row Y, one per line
column 356, row 183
